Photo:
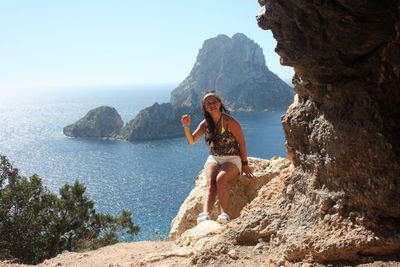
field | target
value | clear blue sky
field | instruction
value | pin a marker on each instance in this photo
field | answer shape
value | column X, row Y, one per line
column 52, row 43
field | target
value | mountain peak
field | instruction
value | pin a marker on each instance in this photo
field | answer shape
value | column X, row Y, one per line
column 234, row 67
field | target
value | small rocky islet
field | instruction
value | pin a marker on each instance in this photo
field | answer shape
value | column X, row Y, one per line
column 100, row 122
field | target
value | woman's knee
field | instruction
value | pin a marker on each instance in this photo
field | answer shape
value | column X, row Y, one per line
column 222, row 180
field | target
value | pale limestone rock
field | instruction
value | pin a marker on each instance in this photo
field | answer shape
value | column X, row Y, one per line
column 183, row 252
column 243, row 191
column 200, row 231
column 233, row 254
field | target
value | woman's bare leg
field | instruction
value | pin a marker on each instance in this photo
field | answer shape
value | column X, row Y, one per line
column 211, row 170
column 227, row 173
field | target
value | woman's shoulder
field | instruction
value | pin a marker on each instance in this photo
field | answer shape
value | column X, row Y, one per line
column 229, row 118
column 230, row 121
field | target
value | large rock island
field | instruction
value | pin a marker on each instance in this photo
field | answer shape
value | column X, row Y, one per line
column 235, row 68
column 103, row 121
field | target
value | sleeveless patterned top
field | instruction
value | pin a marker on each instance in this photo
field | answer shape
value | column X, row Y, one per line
column 224, row 144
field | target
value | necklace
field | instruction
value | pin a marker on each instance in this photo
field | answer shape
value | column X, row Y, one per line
column 218, row 122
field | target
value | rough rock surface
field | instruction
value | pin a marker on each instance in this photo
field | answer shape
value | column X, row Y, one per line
column 99, row 122
column 198, row 232
column 341, row 204
column 242, row 191
column 279, row 224
column 235, row 67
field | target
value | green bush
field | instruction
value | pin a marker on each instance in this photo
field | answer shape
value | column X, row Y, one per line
column 36, row 224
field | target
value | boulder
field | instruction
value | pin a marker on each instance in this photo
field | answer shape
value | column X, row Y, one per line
column 99, row 122
column 242, row 191
column 200, row 231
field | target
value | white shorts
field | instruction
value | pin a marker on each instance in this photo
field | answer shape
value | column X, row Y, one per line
column 223, row 159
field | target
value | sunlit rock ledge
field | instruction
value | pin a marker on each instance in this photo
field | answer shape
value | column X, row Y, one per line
column 242, row 191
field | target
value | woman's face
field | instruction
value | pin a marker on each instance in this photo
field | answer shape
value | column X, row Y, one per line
column 212, row 104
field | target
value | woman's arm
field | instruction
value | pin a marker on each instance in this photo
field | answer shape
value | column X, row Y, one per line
column 236, row 130
column 195, row 136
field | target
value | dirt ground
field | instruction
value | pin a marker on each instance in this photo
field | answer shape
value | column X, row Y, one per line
column 165, row 253
column 144, row 253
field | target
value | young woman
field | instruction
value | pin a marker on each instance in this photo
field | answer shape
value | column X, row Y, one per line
column 228, row 155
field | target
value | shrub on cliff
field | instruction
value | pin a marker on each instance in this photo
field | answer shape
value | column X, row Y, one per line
column 36, row 224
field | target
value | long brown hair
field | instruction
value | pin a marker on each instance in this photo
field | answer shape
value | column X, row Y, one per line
column 210, row 125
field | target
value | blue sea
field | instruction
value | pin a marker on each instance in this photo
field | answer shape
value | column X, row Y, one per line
column 149, row 178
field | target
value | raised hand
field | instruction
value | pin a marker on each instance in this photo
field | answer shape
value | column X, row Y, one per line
column 186, row 120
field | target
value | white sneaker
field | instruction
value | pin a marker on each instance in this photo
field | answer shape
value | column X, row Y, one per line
column 223, row 218
column 204, row 216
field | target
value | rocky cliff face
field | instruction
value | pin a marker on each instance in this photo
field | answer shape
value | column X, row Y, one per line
column 344, row 131
column 341, row 203
column 235, row 67
column 99, row 122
